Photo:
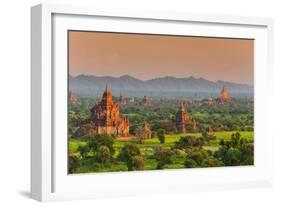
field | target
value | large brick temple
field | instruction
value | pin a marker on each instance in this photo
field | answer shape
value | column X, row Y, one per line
column 105, row 115
column 182, row 120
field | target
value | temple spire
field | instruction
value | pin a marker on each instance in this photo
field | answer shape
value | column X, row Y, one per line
column 181, row 118
column 107, row 97
column 107, row 88
column 224, row 94
column 181, row 106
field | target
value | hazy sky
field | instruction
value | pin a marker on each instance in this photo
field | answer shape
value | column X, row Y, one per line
column 150, row 56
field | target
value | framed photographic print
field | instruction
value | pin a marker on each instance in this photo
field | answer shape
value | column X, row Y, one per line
column 134, row 102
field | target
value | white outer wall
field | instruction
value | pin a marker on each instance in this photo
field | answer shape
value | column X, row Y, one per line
column 15, row 93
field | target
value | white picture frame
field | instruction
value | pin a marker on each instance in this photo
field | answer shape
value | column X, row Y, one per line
column 49, row 178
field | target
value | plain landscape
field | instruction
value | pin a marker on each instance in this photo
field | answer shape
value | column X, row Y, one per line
column 139, row 102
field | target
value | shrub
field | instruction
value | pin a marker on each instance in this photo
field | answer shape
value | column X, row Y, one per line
column 161, row 135
column 247, row 154
column 237, row 151
column 189, row 142
column 163, row 156
column 208, row 137
column 73, row 162
column 140, row 134
column 103, row 154
column 232, row 157
column 84, row 150
column 127, row 154
column 96, row 141
column 198, row 157
column 84, row 130
column 179, row 152
column 137, row 163
column 190, row 163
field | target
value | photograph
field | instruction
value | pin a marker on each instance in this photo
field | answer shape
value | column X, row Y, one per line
column 139, row 101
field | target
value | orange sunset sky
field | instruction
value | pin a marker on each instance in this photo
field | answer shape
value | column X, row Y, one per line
column 151, row 56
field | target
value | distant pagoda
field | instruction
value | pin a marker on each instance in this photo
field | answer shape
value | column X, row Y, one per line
column 122, row 100
column 146, row 101
column 224, row 97
column 210, row 101
column 72, row 98
column 181, row 119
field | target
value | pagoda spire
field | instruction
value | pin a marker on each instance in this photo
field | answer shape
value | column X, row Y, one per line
column 107, row 96
column 224, row 88
column 224, row 94
column 181, row 118
column 107, row 87
column 181, row 108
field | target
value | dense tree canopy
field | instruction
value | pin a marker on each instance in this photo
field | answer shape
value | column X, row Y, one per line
column 214, row 142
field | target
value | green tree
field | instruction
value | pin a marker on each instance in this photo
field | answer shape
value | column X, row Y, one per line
column 189, row 142
column 137, row 163
column 161, row 135
column 140, row 136
column 163, row 156
column 127, row 154
column 247, row 154
column 73, row 162
column 232, row 157
column 84, row 150
column 103, row 154
column 190, row 163
column 98, row 140
column 167, row 125
column 198, row 157
column 84, row 130
column 236, row 151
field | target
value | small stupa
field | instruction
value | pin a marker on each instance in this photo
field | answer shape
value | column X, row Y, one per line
column 224, row 95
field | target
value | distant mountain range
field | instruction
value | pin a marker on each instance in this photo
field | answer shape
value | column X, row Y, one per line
column 86, row 85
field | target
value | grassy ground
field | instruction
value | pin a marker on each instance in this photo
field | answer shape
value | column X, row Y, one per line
column 89, row 165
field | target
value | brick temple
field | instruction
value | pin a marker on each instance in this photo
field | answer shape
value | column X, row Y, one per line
column 72, row 98
column 182, row 120
column 224, row 97
column 105, row 116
